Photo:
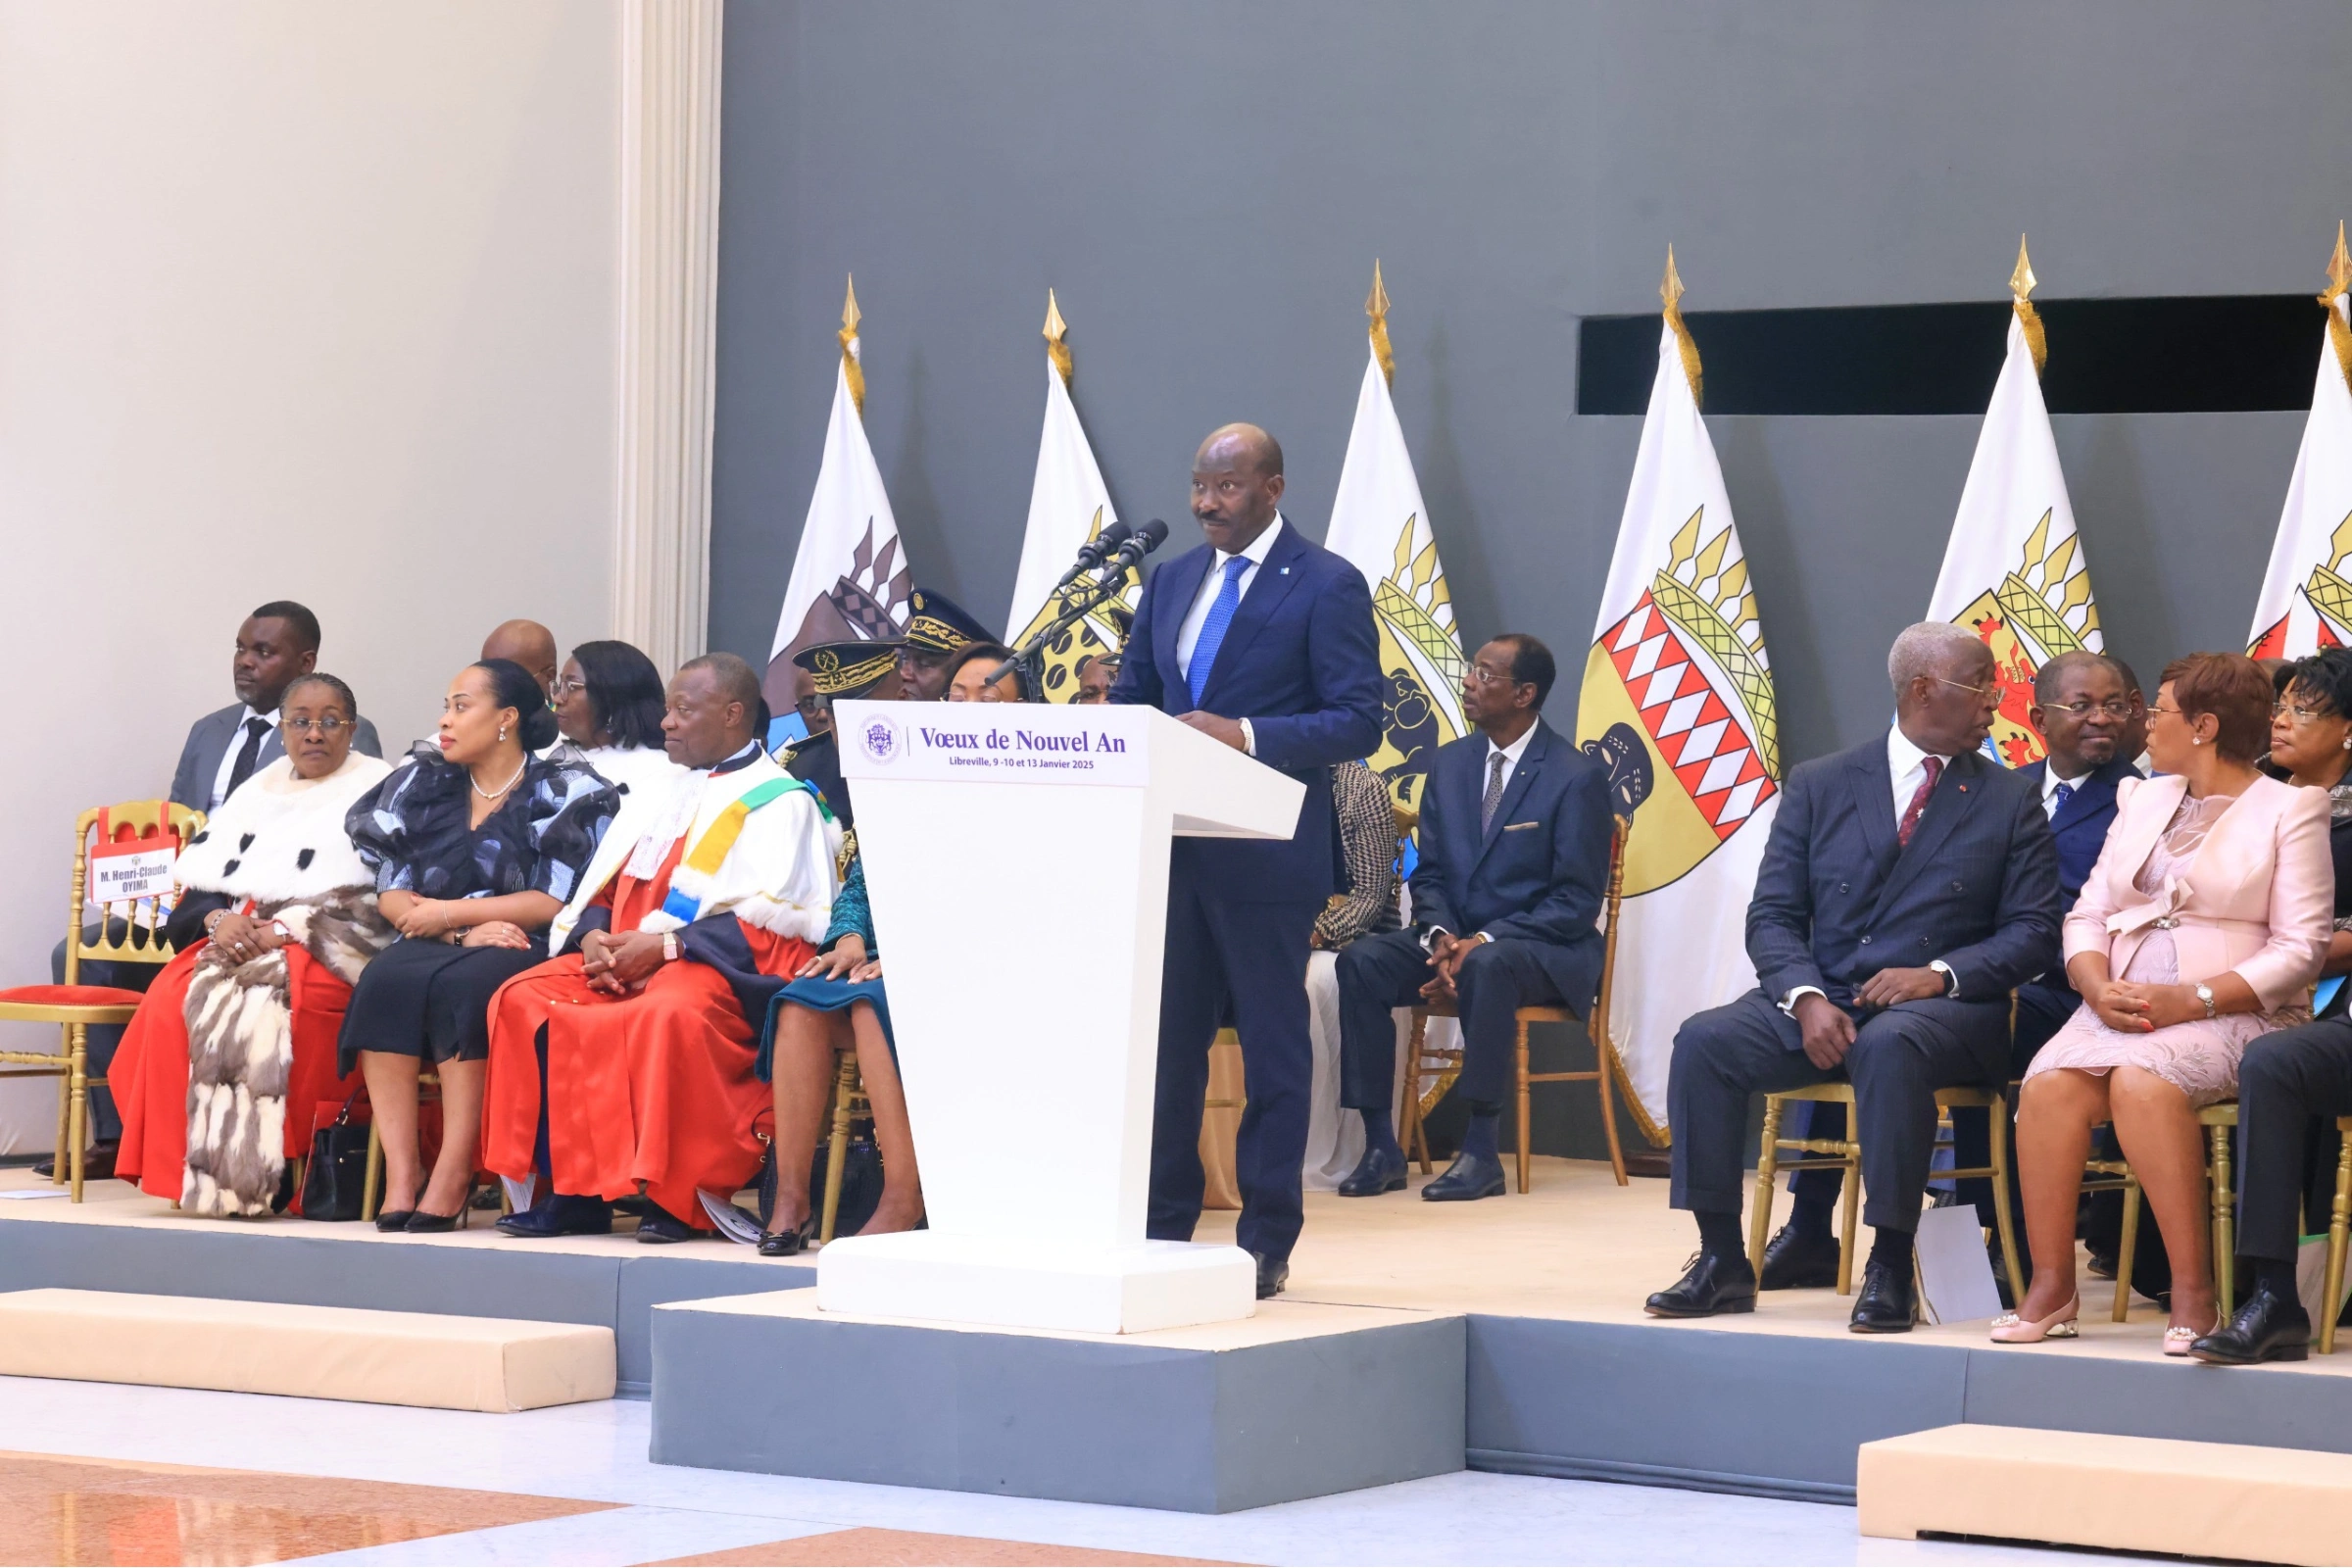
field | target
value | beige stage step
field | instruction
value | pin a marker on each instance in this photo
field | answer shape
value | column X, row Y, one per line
column 2085, row 1489
column 317, row 1353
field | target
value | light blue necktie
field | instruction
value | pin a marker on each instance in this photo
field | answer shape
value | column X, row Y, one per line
column 1212, row 630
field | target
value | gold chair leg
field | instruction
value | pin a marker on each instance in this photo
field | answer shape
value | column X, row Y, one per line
column 2339, row 1236
column 2225, row 1225
column 1525, row 1097
column 2003, row 1219
column 1851, row 1194
column 372, row 1184
column 1412, row 1092
column 1609, row 1102
column 65, row 1105
column 1768, row 1159
column 837, row 1150
column 2129, row 1249
column 79, row 1130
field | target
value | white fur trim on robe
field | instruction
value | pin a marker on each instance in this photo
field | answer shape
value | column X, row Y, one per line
column 778, row 877
column 281, row 836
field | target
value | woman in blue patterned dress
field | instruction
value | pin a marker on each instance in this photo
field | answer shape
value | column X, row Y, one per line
column 477, row 843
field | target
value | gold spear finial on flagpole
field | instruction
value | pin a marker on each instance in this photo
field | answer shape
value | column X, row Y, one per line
column 1376, row 306
column 849, row 364
column 1670, row 289
column 2021, row 289
column 1055, row 330
column 2340, row 280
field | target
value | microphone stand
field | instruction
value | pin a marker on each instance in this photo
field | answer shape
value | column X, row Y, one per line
column 1030, row 658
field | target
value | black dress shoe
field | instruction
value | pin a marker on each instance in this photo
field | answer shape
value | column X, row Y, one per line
column 1886, row 1304
column 394, row 1219
column 1795, row 1260
column 423, row 1222
column 1381, row 1170
column 660, row 1228
column 559, row 1214
column 1713, row 1285
column 2268, row 1327
column 97, row 1165
column 789, row 1243
column 1273, row 1273
column 1469, row 1176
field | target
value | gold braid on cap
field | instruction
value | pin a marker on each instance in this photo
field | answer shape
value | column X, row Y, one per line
column 832, row 677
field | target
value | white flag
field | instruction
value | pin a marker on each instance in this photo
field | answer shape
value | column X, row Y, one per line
column 2306, row 602
column 2013, row 572
column 1380, row 527
column 849, row 578
column 1068, row 505
column 1678, row 704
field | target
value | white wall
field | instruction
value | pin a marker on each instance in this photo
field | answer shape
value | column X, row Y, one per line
column 296, row 301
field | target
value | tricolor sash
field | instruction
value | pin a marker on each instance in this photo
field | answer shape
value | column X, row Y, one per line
column 719, row 841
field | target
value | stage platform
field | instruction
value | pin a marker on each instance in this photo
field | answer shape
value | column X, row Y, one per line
column 1562, row 1374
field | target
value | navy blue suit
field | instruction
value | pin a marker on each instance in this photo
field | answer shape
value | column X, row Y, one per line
column 1533, row 881
column 1301, row 662
column 1839, row 899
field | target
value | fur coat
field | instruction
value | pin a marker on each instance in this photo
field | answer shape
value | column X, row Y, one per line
column 278, row 843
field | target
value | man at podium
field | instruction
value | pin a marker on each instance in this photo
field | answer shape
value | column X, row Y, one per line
column 1264, row 641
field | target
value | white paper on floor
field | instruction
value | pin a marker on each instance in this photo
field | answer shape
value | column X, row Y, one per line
column 37, row 1192
column 1955, row 1277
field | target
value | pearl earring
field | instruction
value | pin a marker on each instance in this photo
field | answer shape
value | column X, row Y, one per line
column 501, row 732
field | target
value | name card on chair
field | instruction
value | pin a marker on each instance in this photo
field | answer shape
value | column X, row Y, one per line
column 133, row 869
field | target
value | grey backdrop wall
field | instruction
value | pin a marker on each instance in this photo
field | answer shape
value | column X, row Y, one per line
column 1207, row 186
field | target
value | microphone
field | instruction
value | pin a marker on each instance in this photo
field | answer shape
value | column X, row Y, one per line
column 1093, row 553
column 1150, row 537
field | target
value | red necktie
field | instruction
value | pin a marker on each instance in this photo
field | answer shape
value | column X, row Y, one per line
column 1919, row 801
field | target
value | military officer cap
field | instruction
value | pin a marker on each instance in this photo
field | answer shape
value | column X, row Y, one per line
column 848, row 670
column 940, row 625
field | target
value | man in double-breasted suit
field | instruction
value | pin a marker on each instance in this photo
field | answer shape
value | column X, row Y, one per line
column 1908, row 886
column 1264, row 642
column 1514, row 863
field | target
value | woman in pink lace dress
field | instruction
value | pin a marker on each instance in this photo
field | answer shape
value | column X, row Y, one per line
column 2202, row 926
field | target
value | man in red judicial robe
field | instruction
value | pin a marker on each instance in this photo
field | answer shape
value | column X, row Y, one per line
column 624, row 1065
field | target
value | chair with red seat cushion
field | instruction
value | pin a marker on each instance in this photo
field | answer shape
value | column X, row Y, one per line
column 76, row 1007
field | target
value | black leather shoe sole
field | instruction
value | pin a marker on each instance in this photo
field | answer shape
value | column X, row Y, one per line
column 1351, row 1188
column 1793, row 1278
column 1659, row 1306
column 1882, row 1325
column 2231, row 1355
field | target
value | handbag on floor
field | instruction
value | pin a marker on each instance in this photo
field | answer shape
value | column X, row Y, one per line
column 338, row 1169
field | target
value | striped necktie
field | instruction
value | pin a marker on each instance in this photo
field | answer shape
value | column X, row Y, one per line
column 1212, row 630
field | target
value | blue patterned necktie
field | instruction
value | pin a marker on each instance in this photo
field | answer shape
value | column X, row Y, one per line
column 2060, row 796
column 1212, row 630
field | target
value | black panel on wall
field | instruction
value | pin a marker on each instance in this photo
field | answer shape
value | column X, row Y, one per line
column 2209, row 354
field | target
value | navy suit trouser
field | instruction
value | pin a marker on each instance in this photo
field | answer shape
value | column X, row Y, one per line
column 1246, row 962
column 2291, row 1086
column 1377, row 973
column 1901, row 1056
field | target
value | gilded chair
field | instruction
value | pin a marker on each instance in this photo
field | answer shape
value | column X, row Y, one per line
column 1846, row 1155
column 2339, row 1238
column 124, row 934
column 2217, row 1120
column 1430, row 1070
column 848, row 1103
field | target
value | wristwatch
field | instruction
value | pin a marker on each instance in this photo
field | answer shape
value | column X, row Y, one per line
column 669, row 947
column 2205, row 994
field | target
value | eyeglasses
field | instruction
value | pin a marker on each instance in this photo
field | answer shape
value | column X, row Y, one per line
column 2301, row 715
column 2174, row 712
column 559, row 690
column 1995, row 690
column 1481, row 673
column 2113, row 707
column 329, row 726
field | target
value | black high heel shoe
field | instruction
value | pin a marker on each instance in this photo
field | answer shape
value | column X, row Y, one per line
column 395, row 1219
column 422, row 1223
column 791, row 1243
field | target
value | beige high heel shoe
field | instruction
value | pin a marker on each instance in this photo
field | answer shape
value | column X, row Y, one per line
column 2177, row 1341
column 2010, row 1329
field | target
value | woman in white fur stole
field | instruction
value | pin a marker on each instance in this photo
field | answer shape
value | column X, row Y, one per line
column 220, row 1074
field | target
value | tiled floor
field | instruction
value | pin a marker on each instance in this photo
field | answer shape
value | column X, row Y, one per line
column 364, row 1483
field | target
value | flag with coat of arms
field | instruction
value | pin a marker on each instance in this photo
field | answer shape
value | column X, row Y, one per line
column 850, row 579
column 1068, row 506
column 2306, row 602
column 2013, row 572
column 1380, row 526
column 1678, row 704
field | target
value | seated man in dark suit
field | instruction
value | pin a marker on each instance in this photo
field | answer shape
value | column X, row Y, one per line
column 1908, row 886
column 1514, row 863
column 277, row 642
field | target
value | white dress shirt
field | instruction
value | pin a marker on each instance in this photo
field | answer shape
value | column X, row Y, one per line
column 236, row 744
column 1188, row 634
column 1907, row 765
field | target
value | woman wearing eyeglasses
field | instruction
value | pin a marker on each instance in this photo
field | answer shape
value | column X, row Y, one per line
column 2201, row 927
column 475, row 845
column 223, row 1067
column 609, row 702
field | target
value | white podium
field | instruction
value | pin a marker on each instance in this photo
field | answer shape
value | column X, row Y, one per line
column 1017, row 860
